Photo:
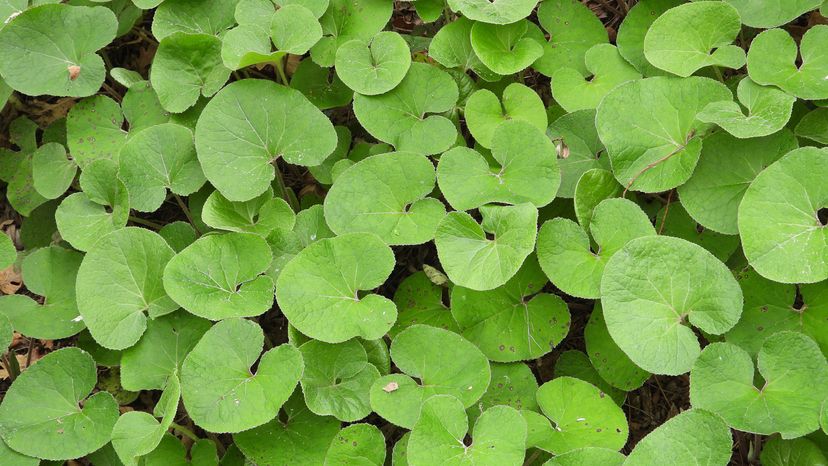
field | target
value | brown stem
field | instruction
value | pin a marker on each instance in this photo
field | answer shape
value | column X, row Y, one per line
column 657, row 162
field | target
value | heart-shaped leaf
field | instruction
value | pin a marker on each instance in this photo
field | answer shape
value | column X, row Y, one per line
column 771, row 13
column 494, row 12
column 363, row 441
column 573, row 29
column 471, row 259
column 374, row 67
column 709, row 435
column 245, row 127
column 52, row 171
column 93, row 130
column 419, row 351
column 723, row 382
column 319, row 289
column 451, row 47
column 485, row 112
column 512, row 385
column 652, row 287
column 578, row 149
column 507, row 48
column 191, row 17
column 260, row 215
column 220, row 276
column 345, row 20
column 515, row 321
column 633, row 30
column 40, row 415
column 768, row 111
column 576, row 364
column 783, row 236
column 420, row 301
column 773, row 61
column 524, row 169
column 137, row 432
column 607, row 69
column 222, row 394
column 295, row 29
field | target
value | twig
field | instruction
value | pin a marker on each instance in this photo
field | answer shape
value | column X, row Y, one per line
column 610, row 7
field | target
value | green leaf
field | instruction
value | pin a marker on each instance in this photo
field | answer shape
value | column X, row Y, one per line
column 361, row 444
column 51, row 49
column 376, row 66
column 386, row 195
column 499, row 435
column 583, row 416
column 813, row 126
column 337, row 378
column 507, row 48
column 592, row 188
column 345, row 20
column 171, row 452
column 82, row 222
column 634, row 29
column 607, row 69
column 8, row 251
column 484, row 111
column 320, row 86
column 796, row 452
column 773, row 61
column 578, row 148
column 650, row 131
column 185, row 67
column 566, row 254
column 319, row 290
column 420, row 301
column 723, row 382
column 674, row 220
column 768, row 111
column 52, row 172
column 654, row 289
column 178, row 235
column 692, row 36
column 515, row 321
column 401, row 117
column 6, row 338
column 494, row 12
column 244, row 128
column 512, row 385
column 40, row 415
column 726, row 168
column 221, row 393
column 9, row 456
column 524, row 169
column 159, row 353
column 17, row 168
column 576, row 364
column 93, row 130
column 49, row 272
column 156, row 159
column 573, row 29
column 690, row 438
column 419, row 351
column 191, row 17
column 771, row 13
column 142, row 109
column 588, row 456
column 608, row 359
column 118, row 281
column 295, row 29
column 220, row 276
column 451, row 47
column 260, row 215
column 782, row 236
column 137, row 432
column 471, row 259
column 299, row 437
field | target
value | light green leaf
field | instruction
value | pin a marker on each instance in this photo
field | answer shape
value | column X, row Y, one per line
column 692, row 36
column 813, row 126
column 782, row 235
column 451, row 47
column 295, row 29
column 634, row 29
column 260, row 215
column 474, row 261
column 583, row 416
column 494, row 12
column 420, row 301
column 249, row 44
column 507, row 48
column 419, row 351
column 578, row 149
column 9, row 456
column 319, row 290
column 485, row 112
column 515, row 321
column 607, row 69
column 573, row 29
column 592, row 188
column 118, row 281
column 401, row 117
column 771, row 13
column 17, row 167
column 576, row 364
column 723, row 382
column 726, row 168
column 178, row 235
column 524, row 169
column 376, row 66
column 797, row 452
column 137, row 432
column 650, row 130
column 566, row 253
column 49, row 272
column 768, row 111
column 52, row 172
column 8, row 251
column 654, row 289
column 499, row 435
column 220, row 276
column 158, row 158
column 191, row 17
column 299, row 437
column 142, row 109
column 337, row 378
column 690, row 438
column 159, row 353
column 588, row 456
column 609, row 361
column 40, row 415
column 93, row 130
column 773, row 60
column 346, row 20
column 675, row 221
column 82, row 222
column 386, row 195
column 245, row 127
column 221, row 393
column 361, row 444
column 512, row 385
column 6, row 338
column 51, row 49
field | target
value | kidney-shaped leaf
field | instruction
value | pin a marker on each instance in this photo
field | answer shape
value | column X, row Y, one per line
column 507, row 48
column 607, row 69
column 375, row 67
column 768, row 110
column 484, row 111
column 773, row 60
column 771, row 13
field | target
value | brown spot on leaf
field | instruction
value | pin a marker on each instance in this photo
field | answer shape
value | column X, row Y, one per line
column 391, row 387
column 74, row 72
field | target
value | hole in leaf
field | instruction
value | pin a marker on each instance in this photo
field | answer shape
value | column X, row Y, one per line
column 490, row 236
column 822, row 216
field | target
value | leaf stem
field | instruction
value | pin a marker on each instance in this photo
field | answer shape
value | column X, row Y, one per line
column 184, row 431
column 280, row 68
column 11, row 364
column 657, row 162
column 284, row 190
column 147, row 223
column 187, row 212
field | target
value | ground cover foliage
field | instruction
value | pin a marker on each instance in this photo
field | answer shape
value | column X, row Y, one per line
column 360, row 232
